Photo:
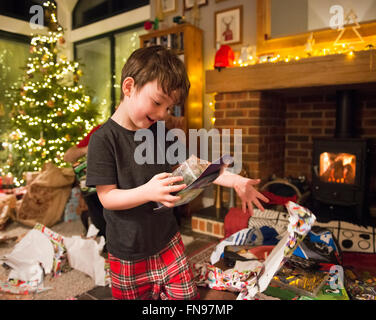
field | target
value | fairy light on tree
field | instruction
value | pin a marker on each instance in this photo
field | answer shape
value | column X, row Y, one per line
column 51, row 110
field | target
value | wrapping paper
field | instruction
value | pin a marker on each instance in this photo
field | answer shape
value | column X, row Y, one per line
column 253, row 277
column 60, row 255
column 300, row 222
column 243, row 274
column 84, row 255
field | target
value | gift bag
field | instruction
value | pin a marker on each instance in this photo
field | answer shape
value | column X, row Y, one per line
column 46, row 196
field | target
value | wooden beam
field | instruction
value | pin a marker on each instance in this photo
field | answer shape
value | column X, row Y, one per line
column 328, row 70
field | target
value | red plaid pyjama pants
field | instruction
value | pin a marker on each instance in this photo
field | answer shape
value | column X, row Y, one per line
column 165, row 275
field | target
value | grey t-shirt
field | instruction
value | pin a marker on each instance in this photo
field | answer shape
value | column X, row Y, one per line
column 138, row 232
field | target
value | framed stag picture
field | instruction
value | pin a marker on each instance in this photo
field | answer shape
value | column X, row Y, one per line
column 228, row 25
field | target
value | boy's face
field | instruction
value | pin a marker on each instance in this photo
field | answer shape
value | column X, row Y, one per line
column 148, row 105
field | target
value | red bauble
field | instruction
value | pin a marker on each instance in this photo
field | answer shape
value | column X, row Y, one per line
column 148, row 25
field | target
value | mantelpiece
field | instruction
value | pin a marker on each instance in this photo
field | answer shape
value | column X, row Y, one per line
column 329, row 70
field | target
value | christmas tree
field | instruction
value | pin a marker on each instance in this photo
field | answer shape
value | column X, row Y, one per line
column 51, row 111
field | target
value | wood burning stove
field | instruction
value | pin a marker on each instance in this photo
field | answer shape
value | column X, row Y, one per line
column 339, row 175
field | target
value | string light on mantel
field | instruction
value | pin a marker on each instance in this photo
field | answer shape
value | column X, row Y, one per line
column 349, row 47
column 346, row 49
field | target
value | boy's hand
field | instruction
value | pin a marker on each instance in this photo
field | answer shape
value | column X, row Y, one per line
column 159, row 189
column 248, row 194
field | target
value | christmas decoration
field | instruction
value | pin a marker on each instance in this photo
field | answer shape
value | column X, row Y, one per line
column 224, row 57
column 343, row 44
column 351, row 18
column 50, row 110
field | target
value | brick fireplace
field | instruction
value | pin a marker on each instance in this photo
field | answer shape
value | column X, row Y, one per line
column 278, row 128
column 283, row 108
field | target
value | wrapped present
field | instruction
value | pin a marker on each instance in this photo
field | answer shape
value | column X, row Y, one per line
column 6, row 184
column 7, row 208
column 80, row 172
column 72, row 209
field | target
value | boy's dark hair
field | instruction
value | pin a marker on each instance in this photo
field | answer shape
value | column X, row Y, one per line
column 156, row 62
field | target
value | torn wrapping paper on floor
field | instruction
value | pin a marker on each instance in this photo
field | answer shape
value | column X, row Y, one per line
column 42, row 251
column 248, row 236
column 235, row 279
column 30, row 259
column 59, row 258
column 84, row 255
column 300, row 223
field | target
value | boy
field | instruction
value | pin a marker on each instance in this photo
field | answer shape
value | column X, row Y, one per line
column 146, row 253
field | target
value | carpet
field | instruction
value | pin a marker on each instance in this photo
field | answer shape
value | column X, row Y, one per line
column 203, row 254
column 186, row 240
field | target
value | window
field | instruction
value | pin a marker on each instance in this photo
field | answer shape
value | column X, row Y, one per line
column 125, row 43
column 14, row 51
column 94, row 58
column 102, row 59
column 89, row 11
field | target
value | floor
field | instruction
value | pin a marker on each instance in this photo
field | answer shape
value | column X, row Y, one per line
column 200, row 240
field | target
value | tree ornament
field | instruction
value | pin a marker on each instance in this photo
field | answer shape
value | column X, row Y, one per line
column 14, row 136
column 42, row 142
column 50, row 103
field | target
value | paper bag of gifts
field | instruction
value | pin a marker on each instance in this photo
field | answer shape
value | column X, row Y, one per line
column 46, row 196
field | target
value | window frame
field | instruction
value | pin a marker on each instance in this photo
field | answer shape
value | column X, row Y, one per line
column 111, row 35
column 17, row 37
column 109, row 15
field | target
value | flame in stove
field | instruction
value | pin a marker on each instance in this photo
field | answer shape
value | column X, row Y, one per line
column 338, row 167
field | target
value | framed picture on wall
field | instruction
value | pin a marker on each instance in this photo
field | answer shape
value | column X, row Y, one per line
column 168, row 6
column 188, row 4
column 228, row 26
